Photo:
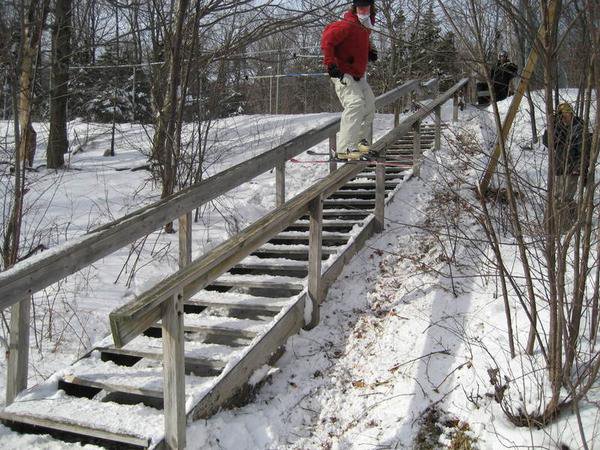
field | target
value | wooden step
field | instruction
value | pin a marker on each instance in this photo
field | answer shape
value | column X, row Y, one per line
column 289, row 270
column 128, row 357
column 366, row 185
column 224, row 330
column 43, row 409
column 354, row 194
column 249, row 282
column 305, row 224
column 239, row 301
column 144, row 379
column 389, row 176
column 349, row 204
column 329, row 239
column 343, row 214
column 290, row 252
column 337, row 226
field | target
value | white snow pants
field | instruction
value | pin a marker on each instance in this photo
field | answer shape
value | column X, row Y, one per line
column 358, row 102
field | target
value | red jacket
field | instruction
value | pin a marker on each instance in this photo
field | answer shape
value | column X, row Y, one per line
column 346, row 44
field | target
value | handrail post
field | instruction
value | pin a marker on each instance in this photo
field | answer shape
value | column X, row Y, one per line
column 455, row 107
column 380, row 193
column 438, row 127
column 185, row 239
column 332, row 153
column 174, row 372
column 280, row 184
column 417, row 148
column 397, row 106
column 315, row 243
column 18, row 351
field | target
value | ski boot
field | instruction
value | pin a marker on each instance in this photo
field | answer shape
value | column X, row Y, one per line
column 364, row 147
column 349, row 155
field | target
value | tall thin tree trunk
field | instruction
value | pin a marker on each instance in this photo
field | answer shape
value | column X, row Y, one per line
column 165, row 138
column 58, row 142
column 18, row 354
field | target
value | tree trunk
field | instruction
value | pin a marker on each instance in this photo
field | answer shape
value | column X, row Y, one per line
column 58, row 142
column 164, row 138
column 17, row 358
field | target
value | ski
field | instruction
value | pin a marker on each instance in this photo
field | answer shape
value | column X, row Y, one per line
column 370, row 162
column 312, row 152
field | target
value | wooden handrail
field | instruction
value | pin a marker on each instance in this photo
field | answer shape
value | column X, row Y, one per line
column 39, row 272
column 419, row 115
column 133, row 318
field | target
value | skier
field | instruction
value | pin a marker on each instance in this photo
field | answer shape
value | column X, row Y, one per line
column 568, row 139
column 501, row 74
column 346, row 50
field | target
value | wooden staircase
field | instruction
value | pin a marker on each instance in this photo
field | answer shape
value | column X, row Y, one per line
column 114, row 396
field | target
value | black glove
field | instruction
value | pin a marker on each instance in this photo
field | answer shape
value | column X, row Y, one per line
column 373, row 55
column 335, row 72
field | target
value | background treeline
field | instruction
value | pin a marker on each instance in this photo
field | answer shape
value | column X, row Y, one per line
column 112, row 55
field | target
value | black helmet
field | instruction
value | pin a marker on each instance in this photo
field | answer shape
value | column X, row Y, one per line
column 502, row 54
column 362, row 2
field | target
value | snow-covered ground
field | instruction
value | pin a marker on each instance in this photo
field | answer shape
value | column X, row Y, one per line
column 402, row 353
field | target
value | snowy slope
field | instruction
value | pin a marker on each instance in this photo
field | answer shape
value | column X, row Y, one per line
column 394, row 351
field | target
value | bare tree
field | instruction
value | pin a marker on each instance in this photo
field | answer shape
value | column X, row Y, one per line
column 58, row 142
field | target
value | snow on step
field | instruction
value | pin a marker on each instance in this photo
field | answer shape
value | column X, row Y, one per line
column 193, row 349
column 228, row 278
column 274, row 261
column 144, row 378
column 305, row 234
column 269, row 246
column 242, row 301
column 45, row 405
column 229, row 325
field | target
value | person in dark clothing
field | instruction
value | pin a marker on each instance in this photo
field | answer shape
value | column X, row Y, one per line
column 568, row 140
column 501, row 74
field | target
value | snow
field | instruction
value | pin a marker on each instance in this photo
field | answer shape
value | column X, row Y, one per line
column 398, row 337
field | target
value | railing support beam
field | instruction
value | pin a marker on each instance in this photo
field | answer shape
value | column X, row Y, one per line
column 417, row 148
column 174, row 372
column 315, row 249
column 380, row 193
column 455, row 108
column 332, row 153
column 185, row 240
column 438, row 128
column 18, row 351
column 280, row 184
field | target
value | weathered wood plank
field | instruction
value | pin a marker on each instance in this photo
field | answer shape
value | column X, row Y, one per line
column 315, row 244
column 39, row 272
column 417, row 148
column 259, row 284
column 259, row 354
column 299, row 254
column 134, row 317
column 192, row 364
column 407, row 124
column 185, row 239
column 455, row 108
column 108, row 387
column 280, row 183
column 18, row 350
column 438, row 127
column 380, row 195
column 251, row 303
column 17, row 419
column 173, row 372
